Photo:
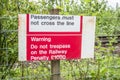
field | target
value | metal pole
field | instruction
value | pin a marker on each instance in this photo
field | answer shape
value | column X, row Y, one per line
column 55, row 64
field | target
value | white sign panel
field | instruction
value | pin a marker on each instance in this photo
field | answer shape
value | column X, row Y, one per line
column 55, row 37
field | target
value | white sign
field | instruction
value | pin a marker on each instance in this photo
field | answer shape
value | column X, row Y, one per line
column 55, row 37
column 54, row 23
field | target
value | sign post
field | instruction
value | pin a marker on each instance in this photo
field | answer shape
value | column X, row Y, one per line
column 55, row 64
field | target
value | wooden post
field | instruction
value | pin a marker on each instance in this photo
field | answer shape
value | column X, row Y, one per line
column 22, row 68
column 55, row 64
column 55, row 70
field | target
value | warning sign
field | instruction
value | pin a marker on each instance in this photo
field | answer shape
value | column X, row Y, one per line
column 55, row 37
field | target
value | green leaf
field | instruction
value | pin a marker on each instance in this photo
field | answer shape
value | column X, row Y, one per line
column 87, row 1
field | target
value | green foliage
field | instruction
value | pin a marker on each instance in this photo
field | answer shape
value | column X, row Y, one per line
column 105, row 65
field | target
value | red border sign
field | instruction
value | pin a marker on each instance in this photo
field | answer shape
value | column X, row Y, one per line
column 53, row 37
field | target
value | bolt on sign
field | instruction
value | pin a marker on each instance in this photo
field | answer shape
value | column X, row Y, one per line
column 55, row 37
